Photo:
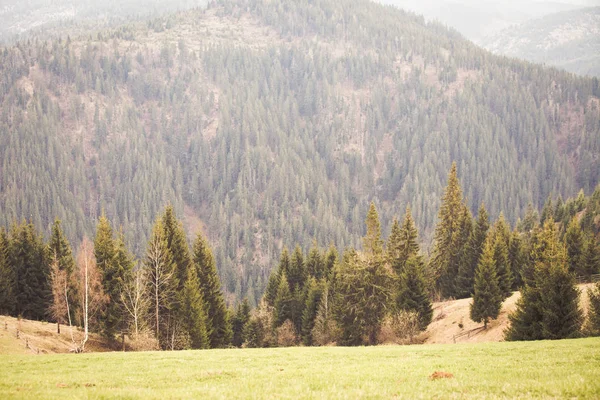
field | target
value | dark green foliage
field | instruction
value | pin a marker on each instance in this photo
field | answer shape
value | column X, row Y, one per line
column 591, row 257
column 372, row 242
column 177, row 244
column 284, row 303
column 315, row 263
column 451, row 234
column 274, row 278
column 192, row 309
column 313, row 299
column 487, row 293
column 239, row 321
column 60, row 251
column 516, row 258
column 472, row 253
column 548, row 307
column 594, row 310
column 502, row 265
column 30, row 263
column 7, row 277
column 403, row 242
column 574, row 242
column 296, row 273
column 218, row 323
column 413, row 294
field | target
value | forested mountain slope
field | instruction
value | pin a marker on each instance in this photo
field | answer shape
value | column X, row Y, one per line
column 270, row 123
column 570, row 40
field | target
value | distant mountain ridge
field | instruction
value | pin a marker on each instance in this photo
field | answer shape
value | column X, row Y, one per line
column 569, row 40
column 268, row 124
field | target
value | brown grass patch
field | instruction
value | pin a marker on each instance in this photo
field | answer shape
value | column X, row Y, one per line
column 440, row 375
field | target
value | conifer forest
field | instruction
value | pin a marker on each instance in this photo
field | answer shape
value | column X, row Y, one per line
column 260, row 173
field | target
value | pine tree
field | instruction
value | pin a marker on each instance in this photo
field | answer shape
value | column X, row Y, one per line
column 218, row 323
column 403, row 242
column 413, row 294
column 575, row 244
column 472, row 254
column 516, row 259
column 283, row 303
column 448, row 235
column 502, row 267
column 315, row 264
column 240, row 319
column 331, row 258
column 193, row 312
column 487, row 296
column 296, row 273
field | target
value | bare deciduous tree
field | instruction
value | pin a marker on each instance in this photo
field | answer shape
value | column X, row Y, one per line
column 135, row 300
column 90, row 280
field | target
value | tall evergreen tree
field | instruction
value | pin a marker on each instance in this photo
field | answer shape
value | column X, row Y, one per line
column 594, row 310
column 275, row 277
column 472, row 254
column 575, row 244
column 313, row 298
column 315, row 264
column 372, row 242
column 413, row 294
column 193, row 312
column 30, row 262
column 448, row 235
column 283, row 303
column 502, row 266
column 487, row 294
column 177, row 244
column 591, row 257
column 239, row 321
column 112, row 277
column 7, row 277
column 403, row 242
column 219, row 325
column 516, row 259
column 60, row 253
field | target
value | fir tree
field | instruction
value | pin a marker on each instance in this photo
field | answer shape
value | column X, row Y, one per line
column 413, row 294
column 218, row 324
column 178, row 245
column 372, row 243
column 591, row 257
column 239, row 321
column 472, row 254
column 516, row 259
column 193, row 312
column 60, row 253
column 447, row 236
column 313, row 298
column 315, row 264
column 403, row 242
column 283, row 303
column 487, row 295
column 502, row 267
column 7, row 278
column 594, row 310
column 106, row 261
column 575, row 244
column 275, row 277
column 296, row 274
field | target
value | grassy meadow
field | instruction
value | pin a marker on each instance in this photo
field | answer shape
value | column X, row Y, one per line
column 558, row 369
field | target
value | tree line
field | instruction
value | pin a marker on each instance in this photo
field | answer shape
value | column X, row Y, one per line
column 170, row 299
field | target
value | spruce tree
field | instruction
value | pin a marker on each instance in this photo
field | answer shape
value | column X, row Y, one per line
column 594, row 310
column 591, row 257
column 472, row 254
column 7, row 277
column 60, row 252
column 296, row 273
column 413, row 294
column 218, row 323
column 447, row 236
column 502, row 266
column 283, row 303
column 106, row 261
column 177, row 244
column 313, row 298
column 403, row 242
column 516, row 259
column 487, row 296
column 273, row 283
column 192, row 308
column 575, row 244
column 239, row 321
column 315, row 264
column 372, row 242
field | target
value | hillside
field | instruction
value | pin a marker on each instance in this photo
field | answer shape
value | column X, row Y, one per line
column 450, row 315
column 271, row 124
column 569, row 40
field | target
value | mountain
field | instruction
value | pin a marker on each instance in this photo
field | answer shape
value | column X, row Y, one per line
column 274, row 123
column 478, row 19
column 20, row 19
column 569, row 40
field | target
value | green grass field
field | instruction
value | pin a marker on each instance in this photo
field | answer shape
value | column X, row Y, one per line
column 559, row 369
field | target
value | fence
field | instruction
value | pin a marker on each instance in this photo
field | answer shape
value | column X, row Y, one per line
column 469, row 333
